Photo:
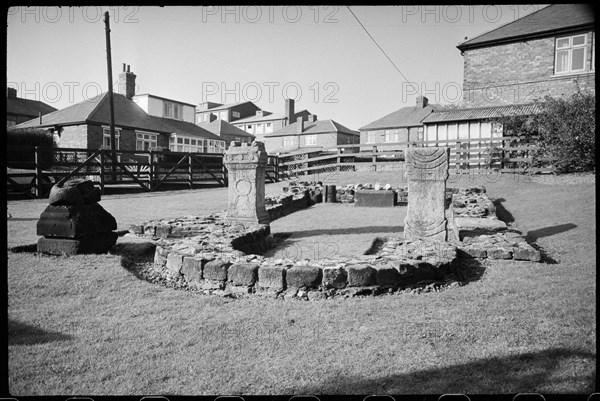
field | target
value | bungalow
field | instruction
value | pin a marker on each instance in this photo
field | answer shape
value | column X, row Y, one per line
column 402, row 125
column 141, row 123
column 19, row 110
column 310, row 135
column 227, row 132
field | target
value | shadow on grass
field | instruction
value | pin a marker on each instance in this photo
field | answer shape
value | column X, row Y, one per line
column 525, row 372
column 24, row 334
column 31, row 248
column 353, row 230
column 533, row 235
column 501, row 211
column 134, row 255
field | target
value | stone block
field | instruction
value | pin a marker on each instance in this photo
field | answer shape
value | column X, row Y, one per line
column 334, row 277
column 471, row 252
column 74, row 192
column 216, row 270
column 372, row 198
column 388, row 276
column 271, row 277
column 75, row 221
column 527, row 252
column 95, row 243
column 479, row 225
column 499, row 253
column 192, row 269
column 316, row 296
column 244, row 274
column 361, row 275
column 303, row 277
column 174, row 262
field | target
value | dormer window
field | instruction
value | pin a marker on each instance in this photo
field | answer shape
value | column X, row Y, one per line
column 172, row 110
column 570, row 54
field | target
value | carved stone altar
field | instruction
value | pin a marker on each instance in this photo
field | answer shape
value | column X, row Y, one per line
column 246, row 174
column 427, row 172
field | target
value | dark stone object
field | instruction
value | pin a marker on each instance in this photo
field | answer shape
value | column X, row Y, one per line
column 74, row 192
column 334, row 277
column 271, row 277
column 244, row 274
column 373, row 198
column 361, row 276
column 95, row 243
column 75, row 221
column 216, row 270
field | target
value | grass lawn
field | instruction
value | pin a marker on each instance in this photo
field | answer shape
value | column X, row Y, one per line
column 85, row 325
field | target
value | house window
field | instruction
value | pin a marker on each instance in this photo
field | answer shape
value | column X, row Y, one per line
column 268, row 127
column 570, row 54
column 249, row 129
column 372, row 137
column 106, row 138
column 172, row 110
column 178, row 143
column 235, row 114
column 145, row 141
column 259, row 128
column 288, row 141
column 392, row 135
column 310, row 140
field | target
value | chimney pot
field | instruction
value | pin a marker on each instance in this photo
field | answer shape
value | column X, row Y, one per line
column 289, row 111
column 127, row 67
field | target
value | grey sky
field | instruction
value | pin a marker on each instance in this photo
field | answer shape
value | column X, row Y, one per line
column 319, row 55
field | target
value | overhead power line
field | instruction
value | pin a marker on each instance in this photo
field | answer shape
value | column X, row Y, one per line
column 380, row 48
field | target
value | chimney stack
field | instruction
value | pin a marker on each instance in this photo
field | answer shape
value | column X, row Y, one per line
column 11, row 92
column 127, row 82
column 300, row 125
column 289, row 111
column 422, row 101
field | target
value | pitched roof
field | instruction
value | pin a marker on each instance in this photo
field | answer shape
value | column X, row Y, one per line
column 27, row 107
column 481, row 113
column 267, row 116
column 317, row 127
column 227, row 106
column 127, row 115
column 164, row 98
column 404, row 117
column 546, row 21
column 220, row 127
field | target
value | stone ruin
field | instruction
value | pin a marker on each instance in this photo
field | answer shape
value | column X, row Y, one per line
column 74, row 222
column 222, row 253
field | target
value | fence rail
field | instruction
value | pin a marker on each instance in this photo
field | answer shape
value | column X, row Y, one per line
column 473, row 155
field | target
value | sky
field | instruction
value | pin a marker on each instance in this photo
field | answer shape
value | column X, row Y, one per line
column 320, row 55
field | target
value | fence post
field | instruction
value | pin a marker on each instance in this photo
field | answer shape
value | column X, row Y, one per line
column 38, row 173
column 152, row 168
column 339, row 159
column 374, row 158
column 502, row 155
column 190, row 172
column 457, row 157
column 102, row 161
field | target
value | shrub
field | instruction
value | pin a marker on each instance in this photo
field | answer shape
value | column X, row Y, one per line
column 564, row 132
column 21, row 143
column 567, row 131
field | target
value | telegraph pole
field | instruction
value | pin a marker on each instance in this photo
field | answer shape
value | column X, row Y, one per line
column 110, row 97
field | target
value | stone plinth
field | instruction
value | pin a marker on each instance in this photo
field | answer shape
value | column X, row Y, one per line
column 427, row 172
column 246, row 174
column 373, row 198
column 74, row 222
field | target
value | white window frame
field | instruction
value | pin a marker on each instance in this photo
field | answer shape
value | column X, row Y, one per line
column 371, row 136
column 310, row 140
column 569, row 48
column 106, row 138
column 235, row 114
column 268, row 128
column 288, row 141
column 143, row 137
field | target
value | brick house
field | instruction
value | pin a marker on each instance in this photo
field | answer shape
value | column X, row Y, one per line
column 142, row 122
column 548, row 52
column 310, row 135
column 19, row 110
column 265, row 122
column 506, row 70
column 402, row 125
column 227, row 132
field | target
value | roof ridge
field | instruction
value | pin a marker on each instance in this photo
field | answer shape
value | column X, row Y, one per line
column 503, row 25
column 102, row 97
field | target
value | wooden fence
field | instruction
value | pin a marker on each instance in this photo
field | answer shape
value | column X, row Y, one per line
column 479, row 156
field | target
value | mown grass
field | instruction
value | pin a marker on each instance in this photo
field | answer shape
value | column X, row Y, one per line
column 86, row 325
